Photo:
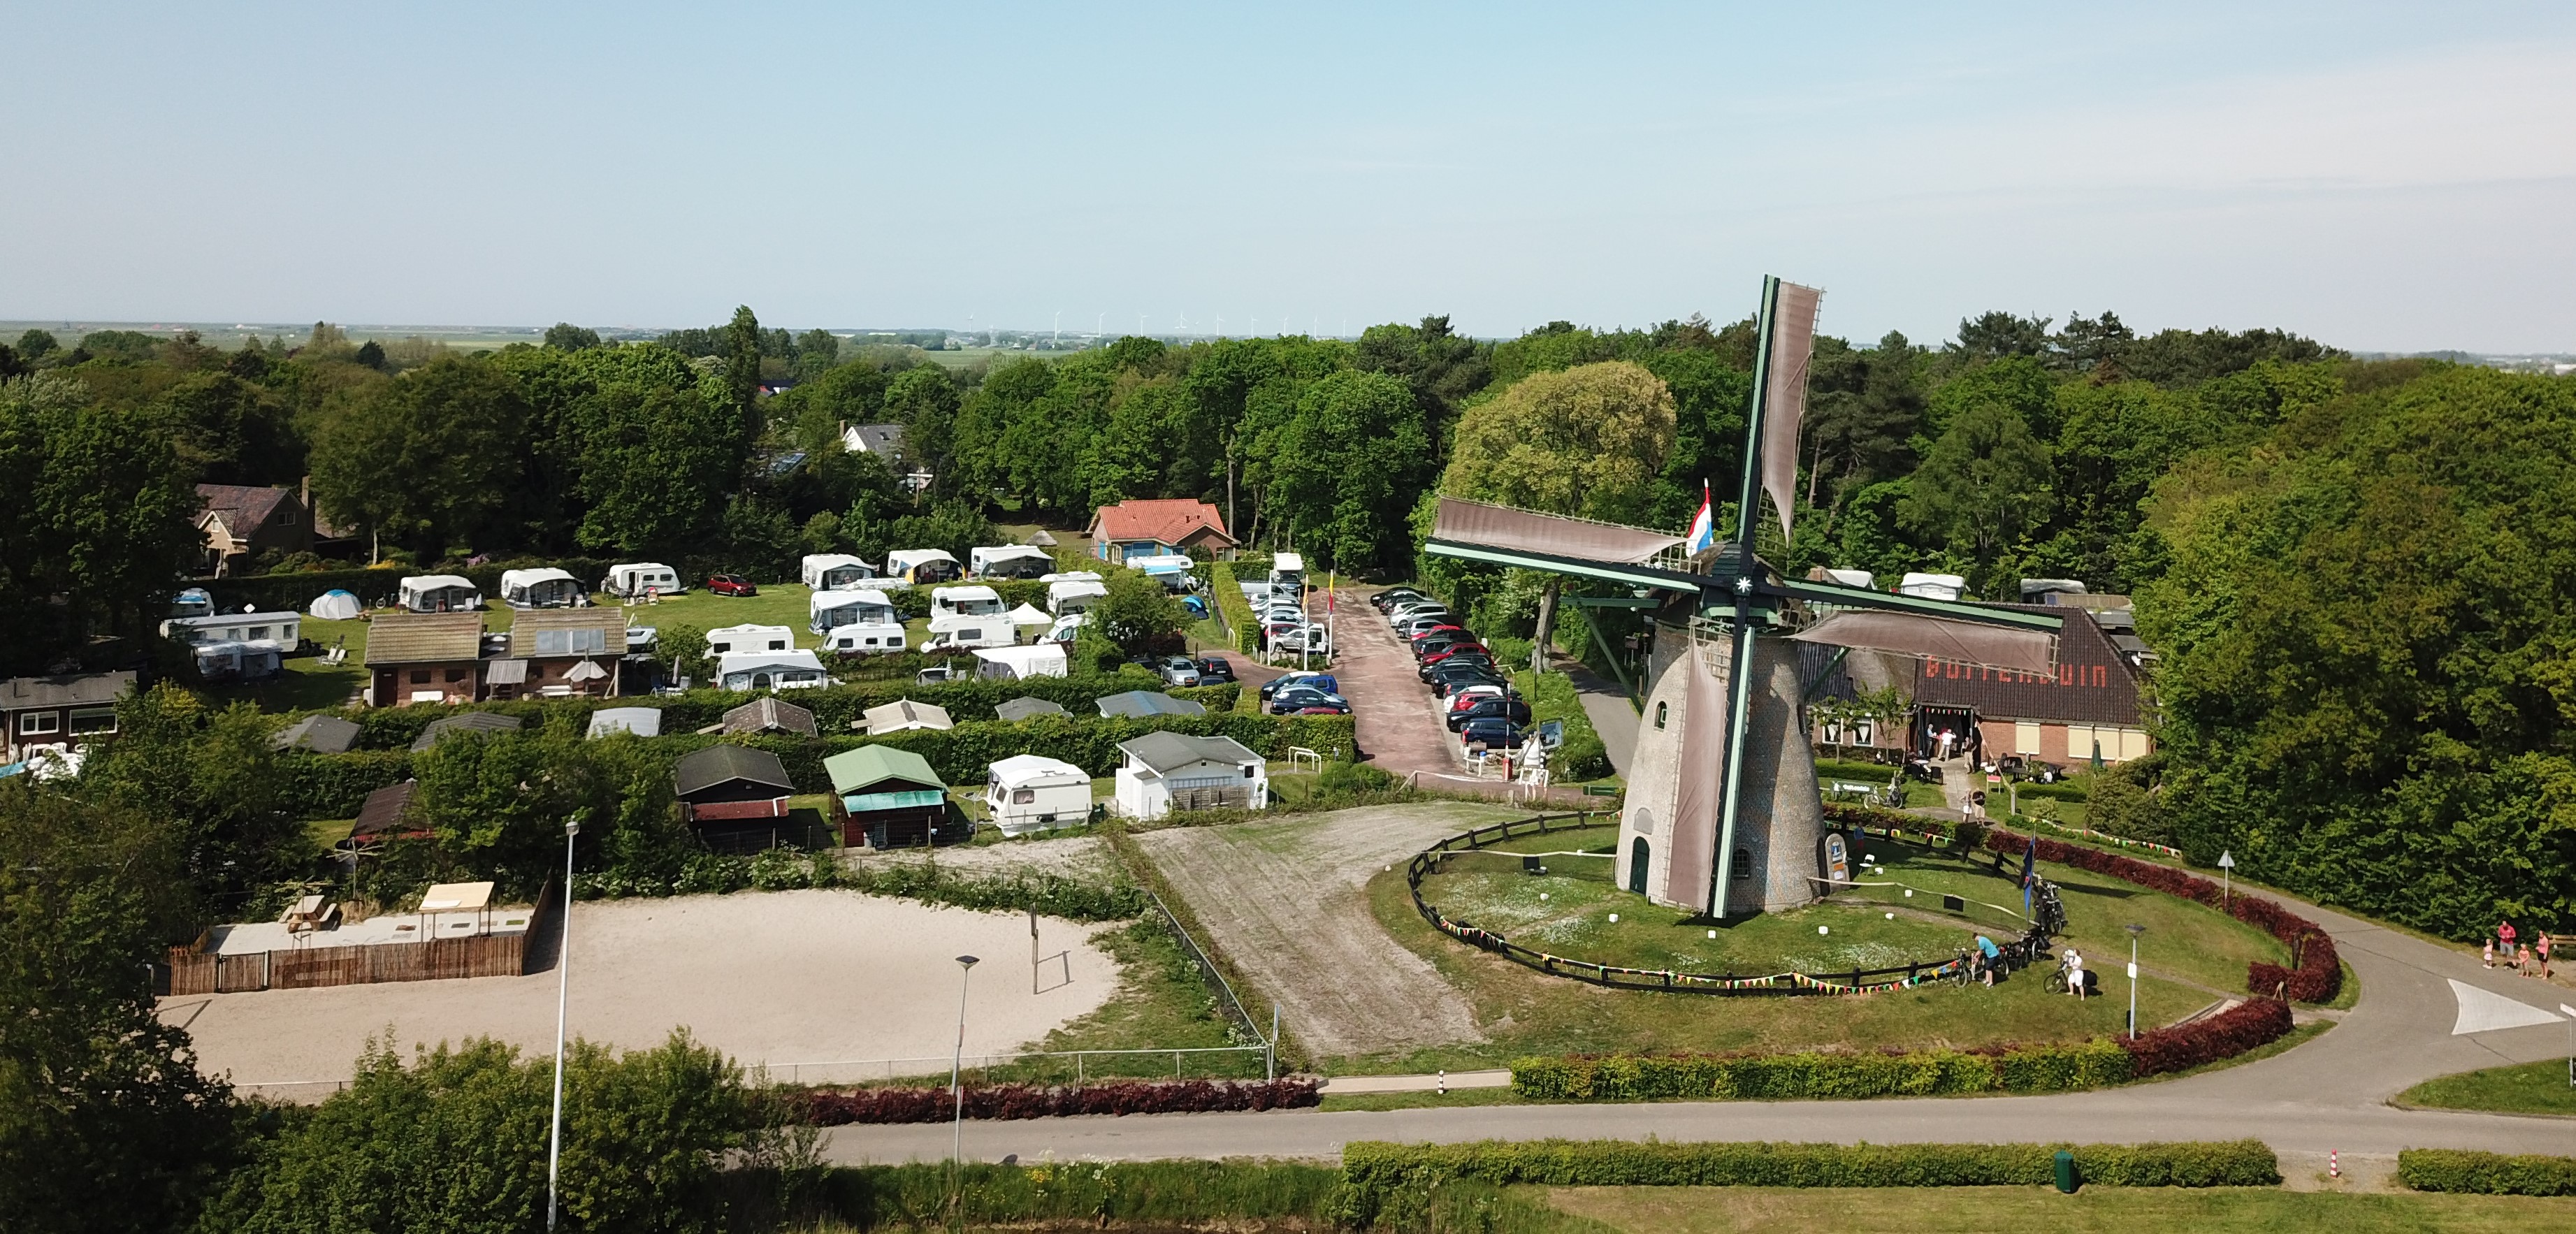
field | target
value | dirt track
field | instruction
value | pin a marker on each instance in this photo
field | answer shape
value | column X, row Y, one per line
column 1285, row 901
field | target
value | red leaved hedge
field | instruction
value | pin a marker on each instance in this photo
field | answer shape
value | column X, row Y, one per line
column 2254, row 1022
column 831, row 1108
column 2316, row 975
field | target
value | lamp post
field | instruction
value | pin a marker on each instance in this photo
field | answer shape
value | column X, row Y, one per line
column 563, row 997
column 956, row 1092
column 2134, row 932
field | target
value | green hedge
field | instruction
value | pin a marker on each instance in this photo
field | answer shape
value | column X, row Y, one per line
column 1384, row 1179
column 1552, row 696
column 1773, row 1077
column 335, row 785
column 2450, row 1169
column 1236, row 610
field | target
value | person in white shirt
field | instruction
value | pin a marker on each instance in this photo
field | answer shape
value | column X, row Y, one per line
column 2074, row 973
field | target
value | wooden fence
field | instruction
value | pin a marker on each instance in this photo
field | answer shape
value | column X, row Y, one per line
column 196, row 971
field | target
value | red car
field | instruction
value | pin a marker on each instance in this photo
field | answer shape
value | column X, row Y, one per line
column 731, row 585
column 1454, row 649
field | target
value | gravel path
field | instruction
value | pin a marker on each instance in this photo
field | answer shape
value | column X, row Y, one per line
column 779, row 977
column 1286, row 903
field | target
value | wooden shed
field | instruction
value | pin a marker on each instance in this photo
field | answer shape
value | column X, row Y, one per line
column 893, row 799
column 735, row 798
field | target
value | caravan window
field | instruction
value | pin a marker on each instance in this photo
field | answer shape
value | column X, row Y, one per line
column 1024, row 796
column 258, row 632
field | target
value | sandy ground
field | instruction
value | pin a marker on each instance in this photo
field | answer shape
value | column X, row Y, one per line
column 1286, row 903
column 783, row 978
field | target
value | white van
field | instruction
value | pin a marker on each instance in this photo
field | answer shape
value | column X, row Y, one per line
column 965, row 602
column 964, row 633
column 835, row 571
column 865, row 638
column 635, row 580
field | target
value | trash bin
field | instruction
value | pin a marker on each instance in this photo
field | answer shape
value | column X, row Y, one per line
column 2066, row 1171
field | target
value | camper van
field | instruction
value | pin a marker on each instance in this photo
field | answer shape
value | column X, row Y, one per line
column 1175, row 571
column 836, row 571
column 1028, row 792
column 1288, row 570
column 545, row 587
column 964, row 633
column 865, row 638
column 636, row 580
column 1009, row 561
column 439, row 593
column 922, row 566
column 828, row 610
column 1074, row 595
column 729, row 639
column 770, row 670
column 965, row 602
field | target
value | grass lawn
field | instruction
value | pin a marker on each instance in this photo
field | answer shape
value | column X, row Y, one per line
column 2531, row 1088
column 1161, row 1004
column 2040, row 1210
column 1527, row 1012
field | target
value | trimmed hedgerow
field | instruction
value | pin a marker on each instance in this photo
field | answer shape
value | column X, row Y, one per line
column 835, row 1107
column 1236, row 610
column 335, row 785
column 2254, row 1022
column 1771, row 1077
column 1380, row 1175
column 2458, row 1170
column 1552, row 696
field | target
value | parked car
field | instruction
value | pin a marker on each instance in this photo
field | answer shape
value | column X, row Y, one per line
column 1511, row 709
column 1403, row 613
column 1493, row 734
column 731, row 585
column 1442, row 655
column 1419, row 626
column 1392, row 596
column 1447, row 679
column 1215, row 671
column 1480, row 664
column 1466, row 696
column 1320, row 681
column 1178, row 670
column 1312, row 638
column 1438, row 641
column 1302, row 701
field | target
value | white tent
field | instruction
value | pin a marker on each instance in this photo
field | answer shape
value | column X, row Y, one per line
column 1933, row 586
column 1015, row 663
column 1029, row 615
column 641, row 721
column 770, row 670
column 825, row 610
column 333, row 605
column 922, row 565
column 545, row 587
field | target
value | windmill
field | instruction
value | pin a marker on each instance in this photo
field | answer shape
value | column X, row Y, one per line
column 1722, row 814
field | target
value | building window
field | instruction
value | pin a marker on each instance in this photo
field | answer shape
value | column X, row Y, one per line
column 420, row 676
column 40, row 722
column 571, row 642
column 1833, row 731
column 456, row 674
column 1860, row 732
column 94, row 720
column 1660, row 710
column 1743, row 871
column 286, row 516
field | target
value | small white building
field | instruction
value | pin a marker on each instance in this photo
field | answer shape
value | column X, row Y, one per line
column 923, row 565
column 962, row 633
column 1009, row 561
column 1074, row 595
column 635, row 580
column 1027, row 792
column 544, row 587
column 725, row 640
column 965, row 602
column 828, row 610
column 836, row 571
column 440, row 593
column 1162, row 772
column 770, row 670
column 1933, row 586
column 867, row 638
column 1018, row 663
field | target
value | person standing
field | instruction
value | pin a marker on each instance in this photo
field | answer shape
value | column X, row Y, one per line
column 2541, row 952
column 2075, row 973
column 2490, row 951
column 2504, row 937
column 2522, row 959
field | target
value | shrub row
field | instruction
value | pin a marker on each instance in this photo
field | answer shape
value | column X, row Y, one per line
column 374, row 586
column 1378, row 1172
column 335, row 785
column 1552, row 696
column 1774, row 1077
column 2254, row 1022
column 2318, row 975
column 1236, row 610
column 1053, row 895
column 1070, row 1195
column 833, row 1108
column 394, row 728
column 2457, row 1170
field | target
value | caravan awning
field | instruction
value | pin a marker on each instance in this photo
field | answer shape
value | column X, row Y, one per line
column 506, row 673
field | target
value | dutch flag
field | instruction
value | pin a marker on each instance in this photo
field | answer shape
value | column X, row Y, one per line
column 1703, row 528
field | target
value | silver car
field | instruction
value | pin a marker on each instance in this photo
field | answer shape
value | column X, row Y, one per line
column 1178, row 671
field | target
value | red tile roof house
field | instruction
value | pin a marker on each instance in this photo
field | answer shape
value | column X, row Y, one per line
column 1156, row 528
column 241, row 521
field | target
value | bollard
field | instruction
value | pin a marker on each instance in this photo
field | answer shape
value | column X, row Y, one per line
column 2065, row 1172
column 2334, row 1164
column 1444, row 1081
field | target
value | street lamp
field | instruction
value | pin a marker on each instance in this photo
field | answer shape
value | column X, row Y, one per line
column 2134, row 932
column 563, row 997
column 956, row 1092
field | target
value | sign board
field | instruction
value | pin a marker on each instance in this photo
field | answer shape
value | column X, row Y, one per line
column 1600, row 790
column 2226, row 860
column 2133, row 970
column 1551, row 733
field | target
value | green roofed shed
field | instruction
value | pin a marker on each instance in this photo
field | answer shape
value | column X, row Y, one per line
column 893, row 797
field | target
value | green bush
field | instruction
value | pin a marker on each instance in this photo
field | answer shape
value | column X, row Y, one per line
column 1158, row 1195
column 1379, row 1175
column 1236, row 610
column 335, row 785
column 1552, row 696
column 1775, row 1077
column 2457, row 1170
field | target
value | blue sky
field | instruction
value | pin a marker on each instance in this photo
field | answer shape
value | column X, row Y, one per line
column 2383, row 177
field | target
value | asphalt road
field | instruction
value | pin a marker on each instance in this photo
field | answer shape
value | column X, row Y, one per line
column 2328, row 1094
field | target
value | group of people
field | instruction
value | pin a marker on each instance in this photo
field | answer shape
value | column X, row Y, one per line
column 2531, row 959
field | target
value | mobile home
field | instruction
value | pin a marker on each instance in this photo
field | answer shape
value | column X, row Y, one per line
column 836, row 571
column 1027, row 792
column 440, row 593
column 1288, row 570
column 965, row 602
column 727, row 639
column 962, row 633
column 866, row 638
column 637, row 579
column 1074, row 595
column 1015, row 663
column 545, row 587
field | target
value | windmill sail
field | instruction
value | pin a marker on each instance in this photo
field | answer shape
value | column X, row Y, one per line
column 1966, row 642
column 1793, row 342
